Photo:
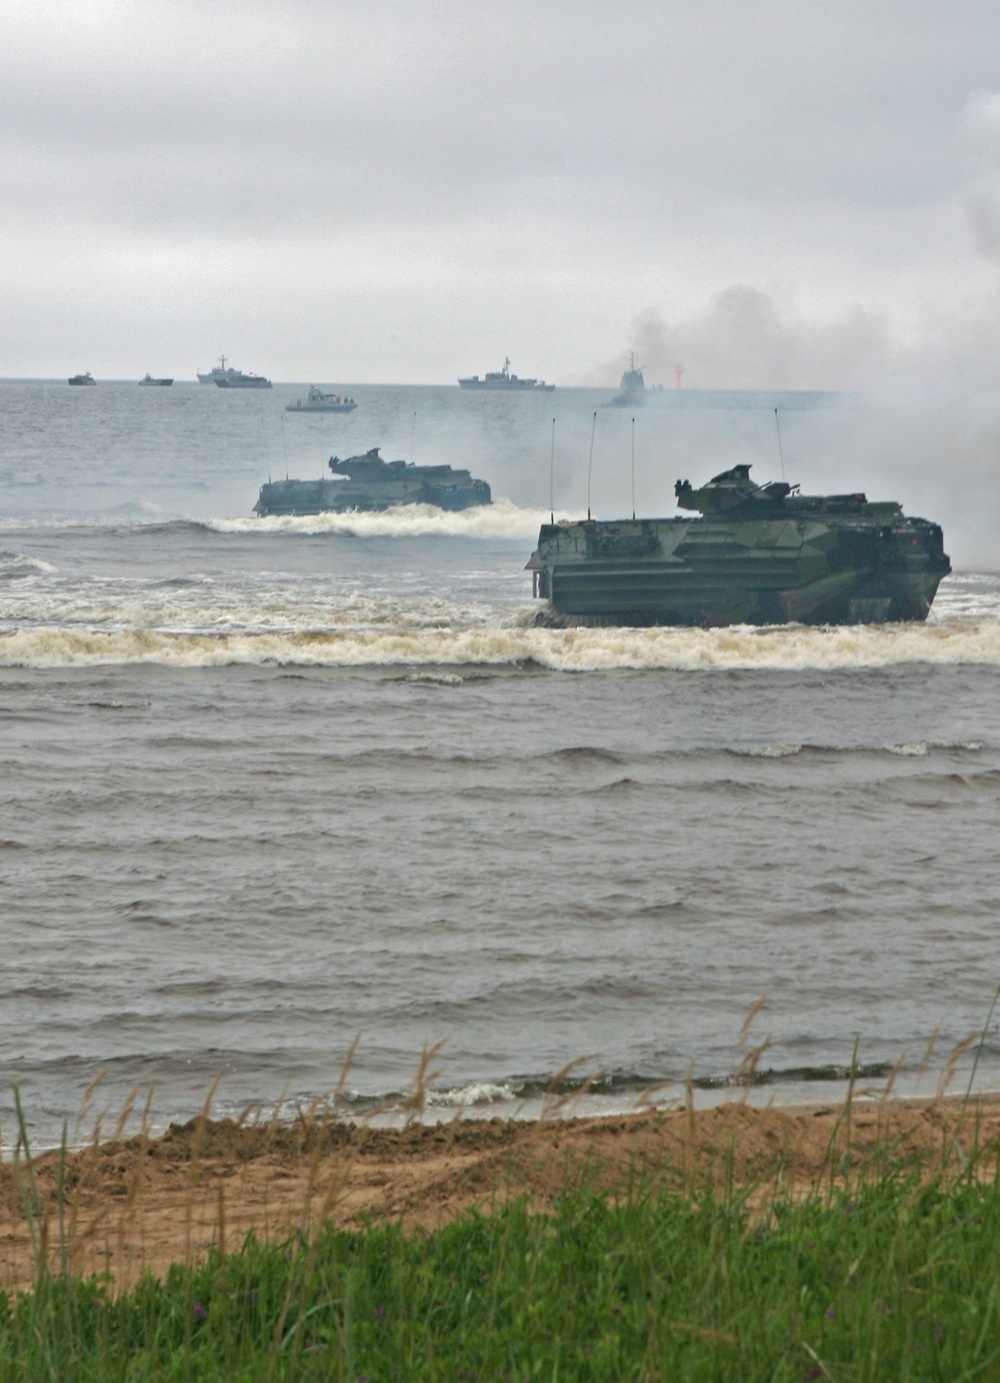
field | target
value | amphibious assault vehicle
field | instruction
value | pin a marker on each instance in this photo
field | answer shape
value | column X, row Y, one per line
column 760, row 554
column 370, row 483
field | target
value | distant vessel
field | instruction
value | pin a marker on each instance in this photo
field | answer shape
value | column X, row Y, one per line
column 218, row 373
column 631, row 390
column 503, row 379
column 373, row 484
column 236, row 379
column 228, row 378
column 318, row 402
column 162, row 383
column 760, row 554
column 88, row 378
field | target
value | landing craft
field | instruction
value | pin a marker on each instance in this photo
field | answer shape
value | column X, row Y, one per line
column 371, row 484
column 761, row 554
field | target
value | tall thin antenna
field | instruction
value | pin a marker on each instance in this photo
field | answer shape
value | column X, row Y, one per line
column 781, row 453
column 552, row 475
column 633, row 468
column 267, row 449
column 413, row 428
column 590, row 467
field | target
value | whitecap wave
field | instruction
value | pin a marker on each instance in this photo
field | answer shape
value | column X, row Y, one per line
column 478, row 1093
column 502, row 519
column 510, row 640
column 14, row 566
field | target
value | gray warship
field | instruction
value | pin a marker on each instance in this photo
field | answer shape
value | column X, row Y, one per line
column 370, row 483
column 503, row 379
column 225, row 377
column 631, row 390
column 759, row 554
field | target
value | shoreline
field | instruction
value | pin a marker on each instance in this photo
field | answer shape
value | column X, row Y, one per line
column 143, row 1202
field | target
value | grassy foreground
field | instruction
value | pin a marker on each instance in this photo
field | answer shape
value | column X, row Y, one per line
column 898, row 1279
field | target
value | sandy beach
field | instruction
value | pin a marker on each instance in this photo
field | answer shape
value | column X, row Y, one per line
column 145, row 1202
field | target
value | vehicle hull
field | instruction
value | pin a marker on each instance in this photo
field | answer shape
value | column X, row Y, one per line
column 712, row 572
column 336, row 496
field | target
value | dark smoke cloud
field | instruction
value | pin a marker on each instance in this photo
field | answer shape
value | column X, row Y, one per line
column 750, row 339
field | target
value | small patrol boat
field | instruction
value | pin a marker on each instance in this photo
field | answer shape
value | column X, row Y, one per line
column 318, row 402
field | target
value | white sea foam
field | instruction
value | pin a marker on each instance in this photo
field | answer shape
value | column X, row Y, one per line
column 508, row 640
column 478, row 1093
column 501, row 519
column 772, row 751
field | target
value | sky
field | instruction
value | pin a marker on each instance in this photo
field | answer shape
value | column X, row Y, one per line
column 772, row 193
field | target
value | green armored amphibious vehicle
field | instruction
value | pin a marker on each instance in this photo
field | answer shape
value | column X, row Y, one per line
column 761, row 554
column 369, row 483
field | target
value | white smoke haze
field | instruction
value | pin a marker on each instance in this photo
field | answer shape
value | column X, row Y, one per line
column 750, row 338
column 982, row 131
column 920, row 417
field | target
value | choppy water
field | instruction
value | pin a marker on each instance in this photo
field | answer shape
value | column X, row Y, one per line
column 270, row 785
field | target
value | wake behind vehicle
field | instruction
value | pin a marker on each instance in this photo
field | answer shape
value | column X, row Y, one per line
column 760, row 554
column 371, row 484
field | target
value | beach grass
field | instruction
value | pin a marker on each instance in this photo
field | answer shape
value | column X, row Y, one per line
column 897, row 1278
column 856, row 1243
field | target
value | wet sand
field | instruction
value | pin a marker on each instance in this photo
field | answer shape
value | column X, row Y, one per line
column 148, row 1202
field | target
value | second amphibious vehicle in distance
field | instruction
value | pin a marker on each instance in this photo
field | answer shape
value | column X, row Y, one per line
column 759, row 554
column 369, row 483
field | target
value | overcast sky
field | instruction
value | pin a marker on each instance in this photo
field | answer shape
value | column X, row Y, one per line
column 792, row 193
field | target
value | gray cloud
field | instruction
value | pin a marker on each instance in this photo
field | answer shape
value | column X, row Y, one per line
column 478, row 180
column 189, row 114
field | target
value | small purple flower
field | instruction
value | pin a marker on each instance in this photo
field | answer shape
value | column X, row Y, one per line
column 199, row 1311
column 379, row 1313
column 831, row 1312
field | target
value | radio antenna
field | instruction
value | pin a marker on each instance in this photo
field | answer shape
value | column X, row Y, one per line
column 633, row 468
column 552, row 475
column 590, row 467
column 781, row 453
column 267, row 449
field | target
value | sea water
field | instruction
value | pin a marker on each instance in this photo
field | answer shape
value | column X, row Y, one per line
column 271, row 787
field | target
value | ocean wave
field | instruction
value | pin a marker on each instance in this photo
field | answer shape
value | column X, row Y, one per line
column 15, row 566
column 502, row 519
column 477, row 1093
column 515, row 643
column 918, row 749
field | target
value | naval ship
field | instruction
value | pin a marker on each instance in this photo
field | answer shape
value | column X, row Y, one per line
column 503, row 379
column 228, row 378
column 631, row 390
column 318, row 402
